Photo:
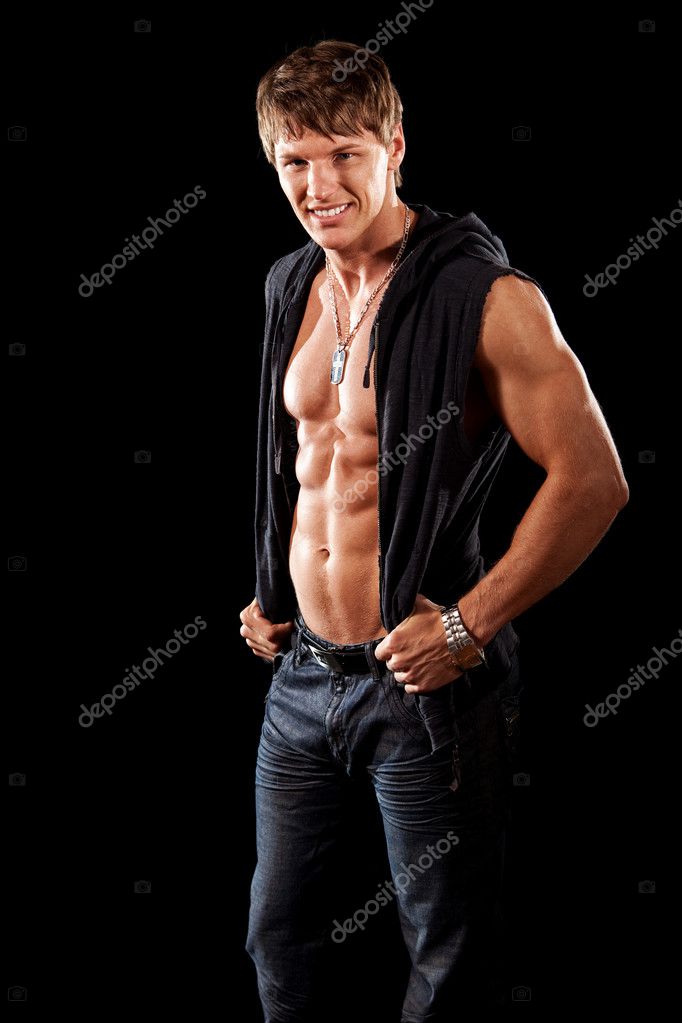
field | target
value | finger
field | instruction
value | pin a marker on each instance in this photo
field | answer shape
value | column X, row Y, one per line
column 249, row 630
column 381, row 650
column 254, row 638
column 258, row 625
column 429, row 687
column 253, row 616
column 264, row 658
column 258, row 647
column 260, row 651
column 400, row 678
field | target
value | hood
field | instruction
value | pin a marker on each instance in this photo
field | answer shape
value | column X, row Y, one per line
column 437, row 237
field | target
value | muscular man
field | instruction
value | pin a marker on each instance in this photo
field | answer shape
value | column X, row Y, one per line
column 393, row 652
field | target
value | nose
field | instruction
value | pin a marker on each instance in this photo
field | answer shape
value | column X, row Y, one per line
column 322, row 181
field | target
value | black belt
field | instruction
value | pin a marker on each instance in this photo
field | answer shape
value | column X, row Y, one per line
column 334, row 659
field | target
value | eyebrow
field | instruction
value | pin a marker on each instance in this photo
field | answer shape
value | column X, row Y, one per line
column 286, row 154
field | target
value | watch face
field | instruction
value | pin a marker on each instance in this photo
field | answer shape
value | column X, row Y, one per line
column 468, row 658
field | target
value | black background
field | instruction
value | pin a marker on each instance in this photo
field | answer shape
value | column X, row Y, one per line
column 167, row 358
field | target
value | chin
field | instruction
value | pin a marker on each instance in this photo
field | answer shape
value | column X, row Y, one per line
column 335, row 241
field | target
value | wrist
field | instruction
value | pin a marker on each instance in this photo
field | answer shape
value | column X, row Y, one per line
column 474, row 621
column 464, row 651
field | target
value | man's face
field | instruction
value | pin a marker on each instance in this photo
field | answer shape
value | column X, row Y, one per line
column 346, row 176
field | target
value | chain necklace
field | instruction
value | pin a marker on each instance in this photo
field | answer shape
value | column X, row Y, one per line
column 339, row 357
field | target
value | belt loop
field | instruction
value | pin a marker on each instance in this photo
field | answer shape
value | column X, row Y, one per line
column 297, row 638
column 297, row 644
column 371, row 659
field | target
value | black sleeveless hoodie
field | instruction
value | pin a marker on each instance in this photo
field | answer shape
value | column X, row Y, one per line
column 432, row 481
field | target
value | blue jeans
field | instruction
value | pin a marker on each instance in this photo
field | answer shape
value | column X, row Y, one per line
column 440, row 764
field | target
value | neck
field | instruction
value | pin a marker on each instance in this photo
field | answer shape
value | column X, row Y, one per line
column 358, row 268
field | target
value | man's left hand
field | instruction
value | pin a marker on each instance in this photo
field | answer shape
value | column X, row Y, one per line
column 416, row 651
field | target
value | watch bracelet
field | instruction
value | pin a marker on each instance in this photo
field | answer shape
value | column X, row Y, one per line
column 457, row 636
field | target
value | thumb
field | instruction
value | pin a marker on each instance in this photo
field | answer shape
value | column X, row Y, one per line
column 380, row 650
column 257, row 611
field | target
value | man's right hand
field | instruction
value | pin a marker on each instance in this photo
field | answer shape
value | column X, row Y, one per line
column 264, row 638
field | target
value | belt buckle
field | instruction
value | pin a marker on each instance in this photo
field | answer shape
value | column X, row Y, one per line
column 325, row 658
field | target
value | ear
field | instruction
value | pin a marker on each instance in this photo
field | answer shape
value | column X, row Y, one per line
column 396, row 148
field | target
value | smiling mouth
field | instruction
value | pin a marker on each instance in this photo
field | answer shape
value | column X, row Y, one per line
column 329, row 214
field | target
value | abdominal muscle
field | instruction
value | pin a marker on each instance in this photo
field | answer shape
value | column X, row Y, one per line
column 334, row 543
column 333, row 554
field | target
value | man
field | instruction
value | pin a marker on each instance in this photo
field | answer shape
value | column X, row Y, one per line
column 401, row 353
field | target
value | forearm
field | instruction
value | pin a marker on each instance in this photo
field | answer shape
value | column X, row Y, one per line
column 562, row 525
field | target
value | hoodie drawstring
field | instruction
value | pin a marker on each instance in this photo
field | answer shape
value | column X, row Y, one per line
column 370, row 351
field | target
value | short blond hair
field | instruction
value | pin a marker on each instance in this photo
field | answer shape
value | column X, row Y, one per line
column 300, row 92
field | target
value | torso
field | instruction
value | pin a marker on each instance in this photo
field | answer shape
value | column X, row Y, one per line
column 334, row 548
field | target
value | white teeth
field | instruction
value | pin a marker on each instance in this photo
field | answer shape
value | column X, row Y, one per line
column 330, row 213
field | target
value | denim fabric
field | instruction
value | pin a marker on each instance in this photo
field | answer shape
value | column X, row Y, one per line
column 440, row 764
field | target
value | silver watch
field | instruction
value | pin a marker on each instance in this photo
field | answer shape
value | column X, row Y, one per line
column 464, row 651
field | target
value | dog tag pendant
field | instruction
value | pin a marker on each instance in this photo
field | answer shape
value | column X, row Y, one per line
column 337, row 365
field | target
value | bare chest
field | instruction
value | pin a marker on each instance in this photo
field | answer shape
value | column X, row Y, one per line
column 312, row 399
column 309, row 394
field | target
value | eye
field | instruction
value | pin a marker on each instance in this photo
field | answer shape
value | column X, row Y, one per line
column 341, row 155
column 290, row 163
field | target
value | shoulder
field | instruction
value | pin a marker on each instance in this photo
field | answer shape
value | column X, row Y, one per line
column 513, row 292
column 517, row 318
